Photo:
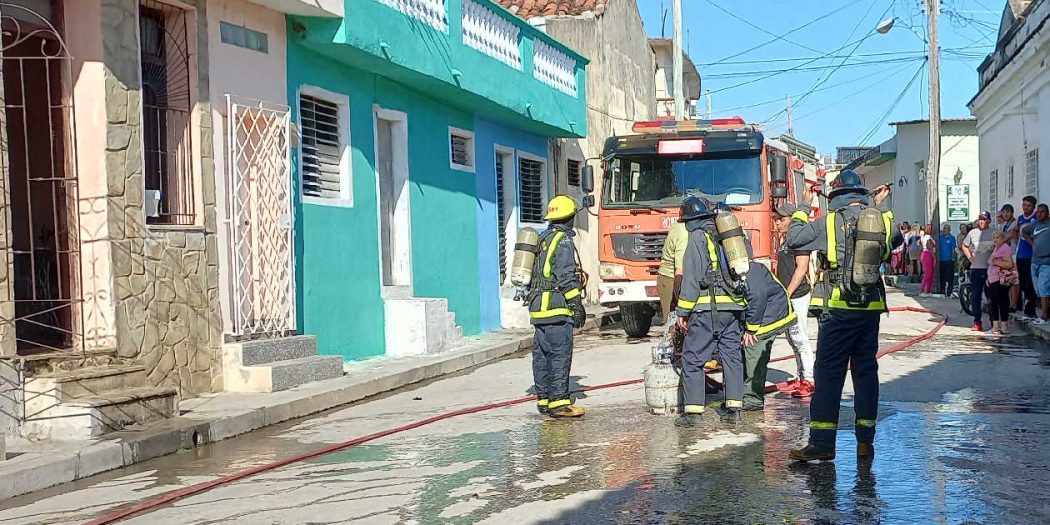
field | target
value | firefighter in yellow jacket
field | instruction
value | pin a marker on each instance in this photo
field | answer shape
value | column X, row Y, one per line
column 556, row 309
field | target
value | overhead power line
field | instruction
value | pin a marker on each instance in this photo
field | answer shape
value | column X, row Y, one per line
column 762, row 29
column 832, row 57
column 882, row 118
column 816, row 68
column 849, row 3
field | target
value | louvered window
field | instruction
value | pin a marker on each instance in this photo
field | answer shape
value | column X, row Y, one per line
column 574, row 168
column 501, row 220
column 1010, row 182
column 993, row 189
column 322, row 148
column 1031, row 176
column 530, row 190
column 461, row 149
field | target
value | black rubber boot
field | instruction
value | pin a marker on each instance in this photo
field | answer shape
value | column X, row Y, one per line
column 812, row 453
column 689, row 420
column 730, row 415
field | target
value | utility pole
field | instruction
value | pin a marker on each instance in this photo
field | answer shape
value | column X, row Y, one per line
column 676, row 50
column 933, row 167
column 709, row 114
column 791, row 125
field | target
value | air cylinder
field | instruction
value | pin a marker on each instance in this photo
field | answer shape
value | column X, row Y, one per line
column 734, row 244
column 525, row 249
column 867, row 252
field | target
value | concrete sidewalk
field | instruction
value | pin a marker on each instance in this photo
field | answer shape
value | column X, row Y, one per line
column 37, row 465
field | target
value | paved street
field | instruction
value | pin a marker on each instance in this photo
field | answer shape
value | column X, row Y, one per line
column 961, row 440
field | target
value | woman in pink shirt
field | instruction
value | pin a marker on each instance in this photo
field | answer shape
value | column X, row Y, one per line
column 1001, row 276
column 927, row 258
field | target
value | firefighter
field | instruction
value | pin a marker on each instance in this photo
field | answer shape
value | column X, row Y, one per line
column 768, row 314
column 555, row 308
column 849, row 311
column 710, row 307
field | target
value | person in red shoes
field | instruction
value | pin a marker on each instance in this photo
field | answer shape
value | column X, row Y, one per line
column 793, row 272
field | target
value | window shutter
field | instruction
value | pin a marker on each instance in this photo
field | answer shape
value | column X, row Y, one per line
column 1032, row 173
column 993, row 189
column 501, row 220
column 461, row 151
column 573, row 176
column 530, row 184
column 321, row 148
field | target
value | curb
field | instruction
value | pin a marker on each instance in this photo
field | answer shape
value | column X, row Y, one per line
column 1040, row 331
column 208, row 420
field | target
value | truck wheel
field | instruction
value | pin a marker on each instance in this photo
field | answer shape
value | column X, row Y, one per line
column 637, row 318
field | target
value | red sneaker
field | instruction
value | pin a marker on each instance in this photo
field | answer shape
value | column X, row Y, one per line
column 805, row 389
column 788, row 386
column 977, row 328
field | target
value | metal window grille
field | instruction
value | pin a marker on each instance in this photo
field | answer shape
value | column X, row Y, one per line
column 241, row 36
column 166, row 113
column 993, row 189
column 1010, row 181
column 462, row 150
column 530, row 190
column 1032, row 172
column 575, row 169
column 321, row 148
column 501, row 221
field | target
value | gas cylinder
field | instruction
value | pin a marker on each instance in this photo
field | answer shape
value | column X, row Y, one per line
column 734, row 244
column 525, row 249
column 868, row 250
column 661, row 388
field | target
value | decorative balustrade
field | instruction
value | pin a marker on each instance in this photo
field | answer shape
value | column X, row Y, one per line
column 553, row 67
column 432, row 12
column 491, row 33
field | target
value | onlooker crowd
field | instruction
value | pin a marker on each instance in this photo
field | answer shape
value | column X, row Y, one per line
column 1007, row 263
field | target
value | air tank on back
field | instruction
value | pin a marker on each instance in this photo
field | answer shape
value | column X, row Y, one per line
column 525, row 249
column 867, row 255
column 734, row 244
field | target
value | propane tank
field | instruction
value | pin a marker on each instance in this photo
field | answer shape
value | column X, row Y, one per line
column 867, row 252
column 525, row 250
column 660, row 379
column 734, row 244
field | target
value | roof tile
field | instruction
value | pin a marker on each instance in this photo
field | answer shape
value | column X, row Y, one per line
column 533, row 8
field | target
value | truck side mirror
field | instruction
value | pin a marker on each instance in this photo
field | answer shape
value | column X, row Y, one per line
column 588, row 179
column 780, row 192
column 587, row 201
column 780, row 169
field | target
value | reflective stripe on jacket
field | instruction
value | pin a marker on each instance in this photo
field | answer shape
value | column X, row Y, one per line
column 768, row 310
column 701, row 258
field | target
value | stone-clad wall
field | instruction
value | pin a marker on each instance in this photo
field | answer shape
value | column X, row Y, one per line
column 165, row 280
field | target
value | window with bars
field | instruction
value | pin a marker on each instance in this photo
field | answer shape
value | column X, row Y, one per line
column 1010, row 181
column 1031, row 176
column 167, row 135
column 993, row 189
column 461, row 149
column 530, row 190
column 575, row 170
column 501, row 220
column 323, row 145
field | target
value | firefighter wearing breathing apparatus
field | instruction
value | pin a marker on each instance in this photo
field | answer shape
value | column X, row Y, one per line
column 710, row 307
column 852, row 241
column 555, row 308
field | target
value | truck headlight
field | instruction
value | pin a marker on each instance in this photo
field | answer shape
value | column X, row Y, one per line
column 612, row 270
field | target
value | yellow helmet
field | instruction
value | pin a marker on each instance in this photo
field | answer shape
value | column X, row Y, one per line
column 560, row 207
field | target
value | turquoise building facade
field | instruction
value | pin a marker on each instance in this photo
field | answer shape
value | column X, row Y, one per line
column 406, row 110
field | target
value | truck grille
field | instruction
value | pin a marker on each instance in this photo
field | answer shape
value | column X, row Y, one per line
column 646, row 247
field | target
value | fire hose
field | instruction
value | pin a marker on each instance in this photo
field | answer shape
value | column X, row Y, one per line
column 184, row 492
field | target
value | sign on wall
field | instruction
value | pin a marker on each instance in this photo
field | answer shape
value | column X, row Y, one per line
column 958, row 203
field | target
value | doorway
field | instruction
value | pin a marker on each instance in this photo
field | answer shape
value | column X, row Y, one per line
column 392, row 195
column 41, row 182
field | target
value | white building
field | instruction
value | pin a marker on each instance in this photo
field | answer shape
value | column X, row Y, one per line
column 902, row 160
column 663, row 48
column 1014, row 90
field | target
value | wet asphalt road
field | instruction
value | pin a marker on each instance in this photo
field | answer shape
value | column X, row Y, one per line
column 962, row 438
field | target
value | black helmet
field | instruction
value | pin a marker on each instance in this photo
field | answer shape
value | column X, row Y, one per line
column 694, row 208
column 847, row 182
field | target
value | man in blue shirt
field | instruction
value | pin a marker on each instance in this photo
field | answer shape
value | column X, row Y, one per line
column 946, row 256
column 1024, row 257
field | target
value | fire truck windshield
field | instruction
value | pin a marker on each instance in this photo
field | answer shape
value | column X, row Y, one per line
column 663, row 180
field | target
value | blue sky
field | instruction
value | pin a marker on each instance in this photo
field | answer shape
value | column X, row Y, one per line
column 854, row 91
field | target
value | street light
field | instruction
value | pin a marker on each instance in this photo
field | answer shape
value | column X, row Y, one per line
column 885, row 26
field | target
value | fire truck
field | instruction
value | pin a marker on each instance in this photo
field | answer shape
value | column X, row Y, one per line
column 647, row 174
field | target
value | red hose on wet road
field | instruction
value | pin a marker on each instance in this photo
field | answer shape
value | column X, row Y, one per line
column 174, row 495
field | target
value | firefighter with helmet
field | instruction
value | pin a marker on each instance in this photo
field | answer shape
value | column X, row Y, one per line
column 710, row 310
column 555, row 309
column 852, row 240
